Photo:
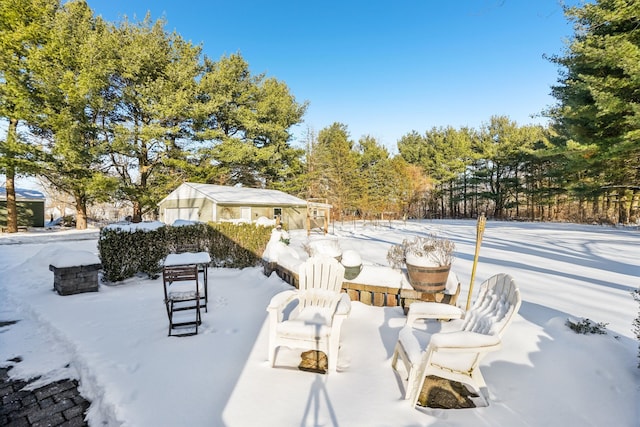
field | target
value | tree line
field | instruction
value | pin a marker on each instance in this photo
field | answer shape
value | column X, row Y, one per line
column 127, row 111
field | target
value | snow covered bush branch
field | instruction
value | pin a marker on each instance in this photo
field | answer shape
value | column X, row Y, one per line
column 587, row 326
column 431, row 250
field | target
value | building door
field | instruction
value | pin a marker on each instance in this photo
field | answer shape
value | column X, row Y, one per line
column 245, row 214
column 277, row 215
column 172, row 214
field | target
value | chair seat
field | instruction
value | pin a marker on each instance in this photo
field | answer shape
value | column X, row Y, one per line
column 415, row 339
column 310, row 323
column 414, row 342
column 315, row 316
column 186, row 290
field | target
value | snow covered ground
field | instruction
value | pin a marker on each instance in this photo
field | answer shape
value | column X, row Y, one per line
column 115, row 340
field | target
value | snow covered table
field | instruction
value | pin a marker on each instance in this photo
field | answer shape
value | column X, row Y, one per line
column 201, row 259
column 186, row 258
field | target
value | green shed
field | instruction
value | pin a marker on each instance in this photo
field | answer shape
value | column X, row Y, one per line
column 30, row 204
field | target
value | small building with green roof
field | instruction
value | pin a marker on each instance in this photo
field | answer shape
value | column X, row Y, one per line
column 30, row 205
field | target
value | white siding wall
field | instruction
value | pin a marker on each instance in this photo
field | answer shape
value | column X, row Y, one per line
column 171, row 214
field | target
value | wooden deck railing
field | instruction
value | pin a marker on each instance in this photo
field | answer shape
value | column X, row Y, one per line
column 371, row 294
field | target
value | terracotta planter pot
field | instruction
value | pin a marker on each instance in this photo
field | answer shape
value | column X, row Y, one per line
column 428, row 279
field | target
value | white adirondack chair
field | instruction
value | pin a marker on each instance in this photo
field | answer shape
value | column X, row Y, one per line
column 453, row 349
column 311, row 316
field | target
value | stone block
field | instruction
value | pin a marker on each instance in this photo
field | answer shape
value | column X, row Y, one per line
column 75, row 279
column 353, row 294
column 378, row 299
column 392, row 300
column 441, row 393
column 313, row 361
column 365, row 297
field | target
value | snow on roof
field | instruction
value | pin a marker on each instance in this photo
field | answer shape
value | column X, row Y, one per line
column 185, row 222
column 132, row 227
column 246, row 196
column 23, row 194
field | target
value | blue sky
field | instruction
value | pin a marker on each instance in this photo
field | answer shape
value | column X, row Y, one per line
column 382, row 68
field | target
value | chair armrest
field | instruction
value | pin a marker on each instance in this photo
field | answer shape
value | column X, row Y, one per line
column 342, row 311
column 464, row 341
column 344, row 305
column 281, row 303
column 433, row 310
column 281, row 300
column 335, row 304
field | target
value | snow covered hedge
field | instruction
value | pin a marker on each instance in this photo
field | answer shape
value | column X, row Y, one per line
column 128, row 249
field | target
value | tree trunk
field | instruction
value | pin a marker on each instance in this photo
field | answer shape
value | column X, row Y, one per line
column 12, row 209
column 442, row 205
column 10, row 174
column 635, row 206
column 517, row 194
column 624, row 207
column 81, row 213
column 137, row 212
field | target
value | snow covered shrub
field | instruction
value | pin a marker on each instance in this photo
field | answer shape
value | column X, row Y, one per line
column 194, row 235
column 325, row 246
column 422, row 250
column 587, row 326
column 237, row 245
column 126, row 249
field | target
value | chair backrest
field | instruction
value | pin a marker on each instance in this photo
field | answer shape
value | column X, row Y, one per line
column 189, row 247
column 321, row 273
column 179, row 273
column 186, row 247
column 498, row 300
